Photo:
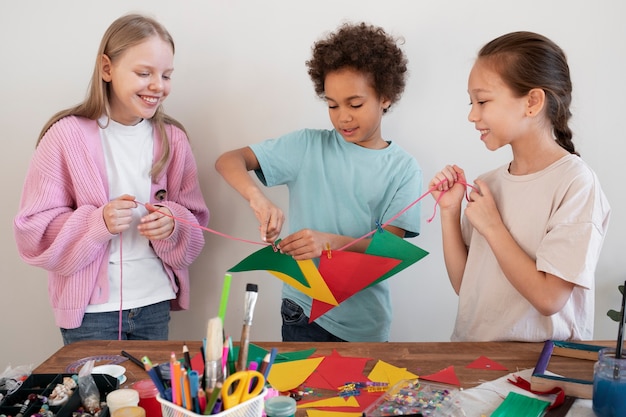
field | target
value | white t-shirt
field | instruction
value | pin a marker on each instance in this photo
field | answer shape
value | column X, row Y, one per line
column 128, row 153
column 559, row 216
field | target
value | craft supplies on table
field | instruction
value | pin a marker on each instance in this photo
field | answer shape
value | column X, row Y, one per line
column 44, row 389
column 415, row 397
column 250, row 408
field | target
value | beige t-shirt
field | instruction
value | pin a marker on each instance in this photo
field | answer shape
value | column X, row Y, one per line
column 559, row 216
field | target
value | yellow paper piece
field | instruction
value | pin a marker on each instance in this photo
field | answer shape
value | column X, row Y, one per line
column 312, row 274
column 384, row 372
column 319, row 413
column 285, row 376
column 332, row 402
column 317, row 288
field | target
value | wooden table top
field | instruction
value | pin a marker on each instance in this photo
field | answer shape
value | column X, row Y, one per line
column 421, row 358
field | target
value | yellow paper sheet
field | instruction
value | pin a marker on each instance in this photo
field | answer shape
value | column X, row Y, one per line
column 385, row 372
column 285, row 376
column 332, row 402
column 318, row 413
column 317, row 286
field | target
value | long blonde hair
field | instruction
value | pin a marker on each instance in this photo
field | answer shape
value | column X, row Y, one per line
column 125, row 32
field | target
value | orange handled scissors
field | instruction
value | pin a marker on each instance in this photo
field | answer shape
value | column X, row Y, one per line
column 240, row 387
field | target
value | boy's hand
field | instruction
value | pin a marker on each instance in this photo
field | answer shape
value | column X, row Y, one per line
column 305, row 244
column 271, row 218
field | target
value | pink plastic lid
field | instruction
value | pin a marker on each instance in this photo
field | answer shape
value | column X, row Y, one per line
column 145, row 388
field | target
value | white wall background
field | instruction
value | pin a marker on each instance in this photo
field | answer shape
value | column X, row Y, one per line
column 240, row 78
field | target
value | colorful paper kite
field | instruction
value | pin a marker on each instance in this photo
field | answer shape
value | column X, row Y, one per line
column 341, row 274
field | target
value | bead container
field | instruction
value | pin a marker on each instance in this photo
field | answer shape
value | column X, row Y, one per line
column 415, row 397
column 33, row 394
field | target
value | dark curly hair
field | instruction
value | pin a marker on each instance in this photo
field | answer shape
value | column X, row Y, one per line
column 364, row 48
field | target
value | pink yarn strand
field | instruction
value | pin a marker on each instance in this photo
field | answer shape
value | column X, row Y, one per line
column 408, row 207
column 119, row 324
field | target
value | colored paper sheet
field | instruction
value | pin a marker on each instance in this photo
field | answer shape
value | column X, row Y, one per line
column 340, row 275
column 484, row 362
column 286, row 376
column 197, row 363
column 356, row 403
column 520, row 405
column 267, row 259
column 357, row 271
column 255, row 352
column 331, row 402
column 389, row 245
column 302, row 275
column 445, row 376
column 336, row 370
column 294, row 356
column 347, row 273
column 385, row 372
column 320, row 413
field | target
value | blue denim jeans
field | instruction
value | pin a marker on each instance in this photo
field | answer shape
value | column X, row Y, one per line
column 296, row 326
column 145, row 323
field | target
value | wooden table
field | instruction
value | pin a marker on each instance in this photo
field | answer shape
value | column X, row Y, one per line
column 420, row 358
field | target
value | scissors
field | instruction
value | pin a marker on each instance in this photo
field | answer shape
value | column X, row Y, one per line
column 240, row 387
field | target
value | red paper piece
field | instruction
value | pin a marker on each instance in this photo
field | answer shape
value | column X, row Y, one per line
column 335, row 370
column 445, row 376
column 484, row 362
column 197, row 363
column 347, row 273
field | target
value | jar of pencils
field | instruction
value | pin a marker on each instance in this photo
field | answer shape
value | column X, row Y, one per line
column 609, row 384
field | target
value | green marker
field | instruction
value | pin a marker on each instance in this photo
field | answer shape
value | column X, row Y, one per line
column 224, row 300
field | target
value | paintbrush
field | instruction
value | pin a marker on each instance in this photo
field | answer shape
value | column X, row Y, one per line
column 213, row 355
column 244, row 341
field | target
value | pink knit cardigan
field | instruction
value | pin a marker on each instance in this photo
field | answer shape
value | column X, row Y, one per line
column 59, row 226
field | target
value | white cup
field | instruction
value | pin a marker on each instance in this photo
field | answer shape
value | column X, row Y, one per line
column 125, row 397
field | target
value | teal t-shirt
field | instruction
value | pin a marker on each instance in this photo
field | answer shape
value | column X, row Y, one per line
column 342, row 188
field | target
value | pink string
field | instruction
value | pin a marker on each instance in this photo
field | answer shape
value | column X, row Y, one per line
column 119, row 325
column 345, row 246
column 433, row 188
column 209, row 230
column 268, row 244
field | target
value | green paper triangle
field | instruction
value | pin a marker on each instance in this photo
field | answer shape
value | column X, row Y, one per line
column 388, row 245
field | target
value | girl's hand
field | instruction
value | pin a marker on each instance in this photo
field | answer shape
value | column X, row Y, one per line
column 305, row 244
column 157, row 225
column 451, row 182
column 482, row 211
column 270, row 217
column 118, row 213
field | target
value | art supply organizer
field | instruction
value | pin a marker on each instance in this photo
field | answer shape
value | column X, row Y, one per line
column 43, row 384
column 251, row 408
